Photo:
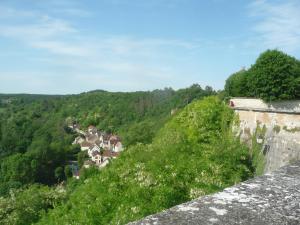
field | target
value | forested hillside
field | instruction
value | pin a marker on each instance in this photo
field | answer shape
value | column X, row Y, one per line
column 188, row 154
column 194, row 154
column 35, row 139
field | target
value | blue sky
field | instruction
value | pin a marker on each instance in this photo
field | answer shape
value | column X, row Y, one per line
column 71, row 46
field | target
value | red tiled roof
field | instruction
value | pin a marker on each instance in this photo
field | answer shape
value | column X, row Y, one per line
column 114, row 138
column 108, row 153
column 115, row 154
column 85, row 144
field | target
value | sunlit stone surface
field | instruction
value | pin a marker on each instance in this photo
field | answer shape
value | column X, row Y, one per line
column 270, row 199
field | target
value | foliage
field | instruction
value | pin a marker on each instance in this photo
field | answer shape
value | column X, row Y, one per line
column 141, row 132
column 25, row 206
column 59, row 173
column 35, row 138
column 194, row 154
column 235, row 85
column 68, row 171
column 274, row 76
column 81, row 157
column 256, row 153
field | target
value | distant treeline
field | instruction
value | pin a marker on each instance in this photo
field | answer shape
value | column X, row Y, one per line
column 274, row 76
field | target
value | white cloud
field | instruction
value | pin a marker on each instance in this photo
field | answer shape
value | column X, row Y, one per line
column 31, row 25
column 59, row 36
column 8, row 12
column 277, row 24
column 61, row 48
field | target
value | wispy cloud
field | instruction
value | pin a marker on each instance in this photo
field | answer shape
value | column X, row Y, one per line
column 277, row 23
column 91, row 59
column 59, row 36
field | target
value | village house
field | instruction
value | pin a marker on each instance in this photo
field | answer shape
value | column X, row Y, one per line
column 92, row 130
column 93, row 148
column 118, row 147
column 92, row 138
column 97, row 158
column 100, row 146
column 78, row 140
column 107, row 154
column 84, row 146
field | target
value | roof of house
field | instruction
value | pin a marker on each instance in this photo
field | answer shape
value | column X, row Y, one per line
column 114, row 137
column 93, row 146
column 91, row 137
column 85, row 144
column 95, row 153
column 118, row 144
column 108, row 153
column 106, row 137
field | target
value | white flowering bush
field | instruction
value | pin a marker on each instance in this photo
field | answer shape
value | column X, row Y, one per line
column 25, row 206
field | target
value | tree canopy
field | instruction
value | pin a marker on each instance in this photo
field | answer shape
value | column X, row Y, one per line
column 274, row 76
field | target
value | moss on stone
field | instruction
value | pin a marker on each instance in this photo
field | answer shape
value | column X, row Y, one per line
column 292, row 130
column 276, row 129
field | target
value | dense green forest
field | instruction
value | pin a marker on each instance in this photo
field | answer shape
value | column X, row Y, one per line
column 274, row 76
column 193, row 154
column 35, row 139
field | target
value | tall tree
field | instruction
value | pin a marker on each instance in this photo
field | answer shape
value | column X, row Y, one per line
column 274, row 76
column 236, row 84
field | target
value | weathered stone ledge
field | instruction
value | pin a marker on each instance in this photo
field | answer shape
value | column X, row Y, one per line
column 270, row 199
column 267, row 110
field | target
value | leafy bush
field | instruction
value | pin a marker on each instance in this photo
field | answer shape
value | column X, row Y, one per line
column 25, row 206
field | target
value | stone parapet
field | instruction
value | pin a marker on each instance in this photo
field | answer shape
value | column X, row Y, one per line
column 272, row 199
column 292, row 106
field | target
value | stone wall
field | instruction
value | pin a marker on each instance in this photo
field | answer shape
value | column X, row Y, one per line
column 281, row 122
column 272, row 199
column 254, row 103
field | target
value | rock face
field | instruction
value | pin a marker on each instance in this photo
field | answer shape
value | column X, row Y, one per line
column 270, row 199
column 281, row 124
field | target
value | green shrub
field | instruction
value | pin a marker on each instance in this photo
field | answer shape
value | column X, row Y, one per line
column 25, row 206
